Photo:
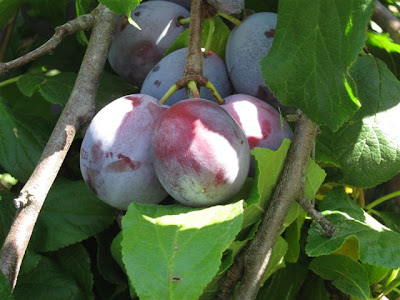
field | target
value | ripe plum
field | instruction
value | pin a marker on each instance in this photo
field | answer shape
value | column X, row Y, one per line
column 170, row 69
column 201, row 155
column 261, row 123
column 134, row 52
column 184, row 3
column 115, row 159
column 247, row 44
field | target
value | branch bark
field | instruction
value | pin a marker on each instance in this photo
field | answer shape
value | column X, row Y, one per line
column 78, row 111
column 387, row 21
column 84, row 22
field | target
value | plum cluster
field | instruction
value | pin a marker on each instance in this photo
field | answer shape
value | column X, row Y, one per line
column 195, row 150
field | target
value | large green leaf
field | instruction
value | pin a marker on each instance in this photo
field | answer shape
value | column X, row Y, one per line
column 367, row 149
column 64, row 276
column 315, row 43
column 5, row 289
column 71, row 213
column 172, row 252
column 378, row 245
column 122, row 7
column 346, row 274
column 22, row 140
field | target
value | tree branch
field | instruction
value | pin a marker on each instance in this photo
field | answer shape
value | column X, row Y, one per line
column 78, row 111
column 327, row 228
column 84, row 22
column 387, row 21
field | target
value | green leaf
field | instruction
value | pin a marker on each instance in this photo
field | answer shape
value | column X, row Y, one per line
column 314, row 288
column 7, row 9
column 122, row 7
column 55, row 89
column 7, row 213
column 269, row 165
column 315, row 176
column 378, row 245
column 375, row 273
column 391, row 219
column 65, row 276
column 112, row 87
column 71, row 213
column 346, row 274
column 172, row 252
column 285, row 283
column 367, row 149
column 22, row 140
column 381, row 46
column 218, row 44
column 54, row 12
column 5, row 289
column 308, row 63
column 292, row 237
column 106, row 264
column 277, row 258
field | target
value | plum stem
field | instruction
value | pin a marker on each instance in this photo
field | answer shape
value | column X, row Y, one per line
column 194, row 60
column 214, row 92
column 184, row 21
column 209, row 36
column 168, row 94
column 230, row 18
column 193, row 89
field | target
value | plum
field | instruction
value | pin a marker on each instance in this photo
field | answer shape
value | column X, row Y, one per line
column 201, row 155
column 170, row 69
column 134, row 52
column 184, row 3
column 115, row 159
column 260, row 122
column 246, row 46
column 228, row 6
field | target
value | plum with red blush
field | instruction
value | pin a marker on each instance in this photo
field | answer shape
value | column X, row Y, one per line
column 201, row 155
column 115, row 158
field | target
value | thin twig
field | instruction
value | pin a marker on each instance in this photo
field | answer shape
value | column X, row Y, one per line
column 83, row 22
column 387, row 21
column 327, row 228
column 78, row 111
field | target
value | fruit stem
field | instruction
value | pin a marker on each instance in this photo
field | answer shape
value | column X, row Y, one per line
column 382, row 199
column 168, row 94
column 193, row 89
column 230, row 18
column 210, row 36
column 184, row 21
column 194, row 60
column 9, row 81
column 215, row 93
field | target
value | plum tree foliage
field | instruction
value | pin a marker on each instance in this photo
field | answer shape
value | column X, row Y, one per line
column 209, row 154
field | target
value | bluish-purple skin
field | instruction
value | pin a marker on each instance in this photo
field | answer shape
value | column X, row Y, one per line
column 115, row 159
column 201, row 155
column 246, row 46
column 260, row 122
column 228, row 6
column 170, row 69
column 134, row 52
column 184, row 3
